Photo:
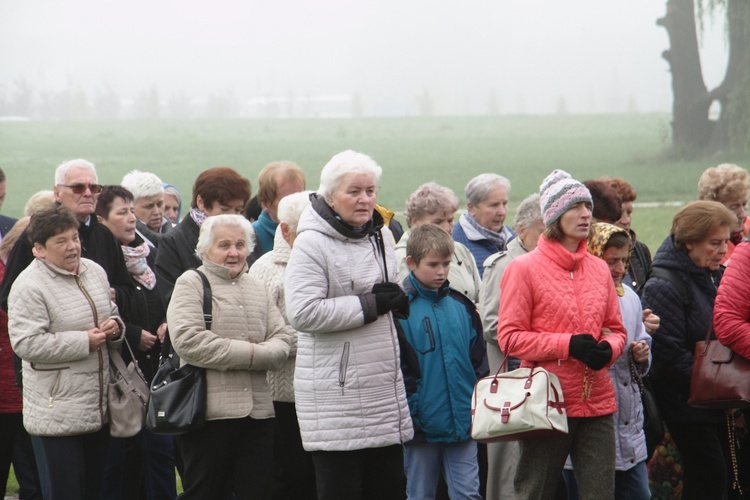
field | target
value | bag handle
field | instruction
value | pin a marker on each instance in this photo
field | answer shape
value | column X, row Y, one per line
column 166, row 348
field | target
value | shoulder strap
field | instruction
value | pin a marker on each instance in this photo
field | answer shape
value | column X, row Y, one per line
column 675, row 278
column 167, row 350
column 207, row 296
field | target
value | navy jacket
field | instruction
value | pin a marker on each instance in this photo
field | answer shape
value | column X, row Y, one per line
column 680, row 328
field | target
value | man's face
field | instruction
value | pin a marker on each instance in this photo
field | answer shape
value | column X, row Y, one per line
column 82, row 204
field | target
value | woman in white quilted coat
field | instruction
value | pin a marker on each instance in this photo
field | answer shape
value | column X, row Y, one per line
column 231, row 456
column 62, row 322
column 341, row 295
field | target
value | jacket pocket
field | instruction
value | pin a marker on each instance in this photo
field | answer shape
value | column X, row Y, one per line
column 343, row 366
column 426, row 344
column 55, row 382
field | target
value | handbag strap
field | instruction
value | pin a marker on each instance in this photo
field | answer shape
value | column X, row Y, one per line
column 636, row 373
column 167, row 349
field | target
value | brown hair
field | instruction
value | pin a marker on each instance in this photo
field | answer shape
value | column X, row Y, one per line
column 50, row 222
column 428, row 238
column 623, row 188
column 695, row 221
column 607, row 203
column 222, row 184
column 276, row 174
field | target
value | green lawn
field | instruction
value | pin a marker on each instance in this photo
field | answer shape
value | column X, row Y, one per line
column 410, row 150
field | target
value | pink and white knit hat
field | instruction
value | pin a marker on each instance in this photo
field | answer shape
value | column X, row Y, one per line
column 558, row 192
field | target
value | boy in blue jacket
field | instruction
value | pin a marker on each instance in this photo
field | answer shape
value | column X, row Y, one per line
column 444, row 336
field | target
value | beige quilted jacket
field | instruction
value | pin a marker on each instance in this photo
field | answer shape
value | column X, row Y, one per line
column 270, row 269
column 64, row 385
column 247, row 338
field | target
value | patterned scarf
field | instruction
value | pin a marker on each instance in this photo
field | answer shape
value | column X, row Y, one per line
column 197, row 216
column 600, row 234
column 496, row 238
column 135, row 261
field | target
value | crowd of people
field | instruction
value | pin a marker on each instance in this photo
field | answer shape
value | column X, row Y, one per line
column 343, row 351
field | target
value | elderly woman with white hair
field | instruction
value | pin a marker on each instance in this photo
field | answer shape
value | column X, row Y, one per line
column 434, row 204
column 342, row 293
column 294, row 473
column 148, row 200
column 482, row 227
column 233, row 452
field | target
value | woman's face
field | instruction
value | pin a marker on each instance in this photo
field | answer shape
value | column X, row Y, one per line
column 575, row 222
column 355, row 198
column 171, row 206
column 617, row 261
column 627, row 216
column 62, row 250
column 442, row 219
column 234, row 207
column 283, row 189
column 739, row 208
column 121, row 220
column 709, row 252
column 150, row 210
column 491, row 211
column 229, row 248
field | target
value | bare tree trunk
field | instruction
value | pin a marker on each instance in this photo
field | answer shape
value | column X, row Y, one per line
column 691, row 127
column 692, row 130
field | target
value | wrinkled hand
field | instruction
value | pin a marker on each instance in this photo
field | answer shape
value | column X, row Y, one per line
column 640, row 351
column 96, row 338
column 650, row 321
column 391, row 297
column 599, row 356
column 111, row 328
column 147, row 341
column 580, row 345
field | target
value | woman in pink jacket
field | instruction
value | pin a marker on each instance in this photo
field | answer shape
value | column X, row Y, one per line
column 559, row 310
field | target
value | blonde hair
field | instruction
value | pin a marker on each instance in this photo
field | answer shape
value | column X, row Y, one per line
column 695, row 221
column 724, row 183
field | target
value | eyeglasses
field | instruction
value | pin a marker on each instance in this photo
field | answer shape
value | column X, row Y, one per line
column 81, row 188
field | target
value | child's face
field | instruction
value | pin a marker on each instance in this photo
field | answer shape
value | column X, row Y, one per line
column 432, row 270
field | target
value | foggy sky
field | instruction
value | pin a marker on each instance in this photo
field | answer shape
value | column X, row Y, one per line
column 598, row 55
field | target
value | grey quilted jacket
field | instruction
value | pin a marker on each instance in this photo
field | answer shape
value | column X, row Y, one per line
column 348, row 388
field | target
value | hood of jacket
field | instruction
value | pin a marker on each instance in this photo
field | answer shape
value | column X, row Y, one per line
column 321, row 217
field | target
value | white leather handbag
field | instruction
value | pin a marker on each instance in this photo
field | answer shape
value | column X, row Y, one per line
column 521, row 404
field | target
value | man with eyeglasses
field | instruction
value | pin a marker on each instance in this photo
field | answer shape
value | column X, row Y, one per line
column 5, row 222
column 77, row 187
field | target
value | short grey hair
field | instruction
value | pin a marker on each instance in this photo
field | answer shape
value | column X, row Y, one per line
column 62, row 169
column 529, row 211
column 291, row 208
column 428, row 199
column 206, row 236
column 480, row 186
column 142, row 184
column 346, row 162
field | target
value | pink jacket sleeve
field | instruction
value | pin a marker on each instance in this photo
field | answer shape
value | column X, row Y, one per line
column 732, row 306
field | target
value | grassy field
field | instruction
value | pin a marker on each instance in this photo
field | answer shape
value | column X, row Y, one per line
column 448, row 150
column 411, row 151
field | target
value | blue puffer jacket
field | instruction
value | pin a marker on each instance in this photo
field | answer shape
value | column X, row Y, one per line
column 444, row 334
column 680, row 328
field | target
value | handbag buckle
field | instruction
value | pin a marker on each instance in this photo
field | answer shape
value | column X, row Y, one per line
column 505, row 412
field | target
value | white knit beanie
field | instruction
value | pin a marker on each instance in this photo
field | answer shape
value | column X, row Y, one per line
column 558, row 192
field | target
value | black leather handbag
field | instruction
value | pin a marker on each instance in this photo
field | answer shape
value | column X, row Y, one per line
column 178, row 393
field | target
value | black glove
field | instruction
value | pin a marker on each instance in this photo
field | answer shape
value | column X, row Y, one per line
column 599, row 356
column 390, row 297
column 581, row 345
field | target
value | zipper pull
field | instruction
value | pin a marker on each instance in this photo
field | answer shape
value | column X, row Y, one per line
column 50, row 402
column 571, row 274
